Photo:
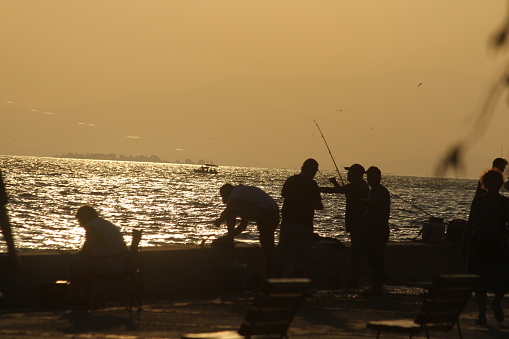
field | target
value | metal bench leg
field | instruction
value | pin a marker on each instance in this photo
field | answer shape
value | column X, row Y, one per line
column 459, row 329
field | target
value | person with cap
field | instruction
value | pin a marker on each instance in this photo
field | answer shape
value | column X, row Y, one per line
column 301, row 198
column 355, row 191
column 250, row 203
column 376, row 228
column 498, row 164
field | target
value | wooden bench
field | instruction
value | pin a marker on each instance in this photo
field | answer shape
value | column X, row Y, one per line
column 440, row 309
column 271, row 313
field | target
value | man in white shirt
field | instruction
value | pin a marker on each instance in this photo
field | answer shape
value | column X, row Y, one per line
column 103, row 253
column 251, row 204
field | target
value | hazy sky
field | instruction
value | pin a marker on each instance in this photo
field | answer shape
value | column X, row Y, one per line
column 391, row 83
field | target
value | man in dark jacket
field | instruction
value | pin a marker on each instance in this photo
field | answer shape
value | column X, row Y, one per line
column 376, row 228
column 301, row 199
column 355, row 191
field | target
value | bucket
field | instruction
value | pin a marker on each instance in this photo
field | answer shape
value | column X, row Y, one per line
column 433, row 233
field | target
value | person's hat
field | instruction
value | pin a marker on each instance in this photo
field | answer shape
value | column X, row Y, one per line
column 356, row 168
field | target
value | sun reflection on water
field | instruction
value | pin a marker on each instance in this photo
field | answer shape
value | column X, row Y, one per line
column 173, row 204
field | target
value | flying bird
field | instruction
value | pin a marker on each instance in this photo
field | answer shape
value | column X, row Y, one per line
column 419, row 84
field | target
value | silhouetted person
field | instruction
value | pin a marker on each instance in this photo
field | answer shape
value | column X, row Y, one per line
column 498, row 164
column 486, row 236
column 250, row 204
column 103, row 253
column 5, row 225
column 376, row 228
column 301, row 199
column 355, row 191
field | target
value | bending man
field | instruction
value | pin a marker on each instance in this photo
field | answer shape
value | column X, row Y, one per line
column 250, row 204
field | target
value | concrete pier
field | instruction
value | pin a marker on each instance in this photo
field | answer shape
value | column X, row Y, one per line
column 180, row 270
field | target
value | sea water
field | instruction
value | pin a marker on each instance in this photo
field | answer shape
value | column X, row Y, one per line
column 173, row 204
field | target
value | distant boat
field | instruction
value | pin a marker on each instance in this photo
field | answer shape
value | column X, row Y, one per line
column 207, row 168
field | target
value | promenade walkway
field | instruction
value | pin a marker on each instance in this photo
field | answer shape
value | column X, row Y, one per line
column 324, row 314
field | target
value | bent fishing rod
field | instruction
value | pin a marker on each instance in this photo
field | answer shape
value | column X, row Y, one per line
column 395, row 195
column 330, row 153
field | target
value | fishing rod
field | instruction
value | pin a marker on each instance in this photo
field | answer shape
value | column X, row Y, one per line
column 413, row 205
column 395, row 195
column 330, row 153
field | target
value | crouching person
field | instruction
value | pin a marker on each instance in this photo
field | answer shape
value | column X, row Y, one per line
column 250, row 204
column 103, row 253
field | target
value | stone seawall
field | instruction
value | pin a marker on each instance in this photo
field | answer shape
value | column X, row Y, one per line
column 181, row 270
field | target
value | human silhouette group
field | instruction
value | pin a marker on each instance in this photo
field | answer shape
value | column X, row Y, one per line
column 366, row 220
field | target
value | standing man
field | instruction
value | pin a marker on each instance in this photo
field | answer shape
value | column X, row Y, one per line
column 5, row 225
column 355, row 191
column 498, row 164
column 301, row 199
column 376, row 228
column 251, row 204
column 485, row 241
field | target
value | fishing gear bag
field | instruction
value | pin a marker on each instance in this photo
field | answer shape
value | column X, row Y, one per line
column 433, row 232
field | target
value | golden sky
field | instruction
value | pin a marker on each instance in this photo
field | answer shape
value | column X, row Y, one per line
column 391, row 83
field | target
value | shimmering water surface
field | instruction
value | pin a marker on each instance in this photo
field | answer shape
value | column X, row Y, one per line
column 173, row 204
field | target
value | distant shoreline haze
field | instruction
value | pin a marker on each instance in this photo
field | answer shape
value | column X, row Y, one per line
column 121, row 157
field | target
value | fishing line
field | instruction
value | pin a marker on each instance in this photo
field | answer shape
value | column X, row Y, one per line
column 414, row 206
column 332, row 157
column 330, row 153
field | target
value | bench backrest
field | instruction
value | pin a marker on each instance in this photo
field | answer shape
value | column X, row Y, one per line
column 446, row 299
column 274, row 307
